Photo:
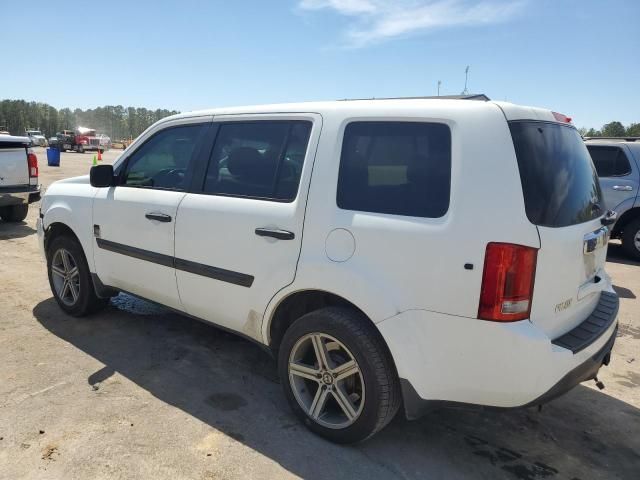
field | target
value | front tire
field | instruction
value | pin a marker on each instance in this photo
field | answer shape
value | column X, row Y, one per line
column 70, row 278
column 338, row 375
column 14, row 213
column 631, row 239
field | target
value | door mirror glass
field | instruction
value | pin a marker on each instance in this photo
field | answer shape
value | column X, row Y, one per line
column 101, row 176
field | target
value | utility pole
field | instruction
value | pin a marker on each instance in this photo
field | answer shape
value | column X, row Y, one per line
column 439, row 83
column 466, row 78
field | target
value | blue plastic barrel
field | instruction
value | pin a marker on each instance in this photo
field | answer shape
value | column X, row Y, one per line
column 53, row 157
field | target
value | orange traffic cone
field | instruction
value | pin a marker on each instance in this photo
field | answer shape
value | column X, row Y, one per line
column 99, row 155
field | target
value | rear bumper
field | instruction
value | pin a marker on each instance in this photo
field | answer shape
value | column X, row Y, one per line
column 583, row 372
column 19, row 195
column 447, row 360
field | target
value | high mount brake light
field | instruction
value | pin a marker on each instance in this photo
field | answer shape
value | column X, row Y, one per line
column 507, row 282
column 560, row 117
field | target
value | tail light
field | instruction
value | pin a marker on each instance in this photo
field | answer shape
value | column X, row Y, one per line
column 507, row 282
column 32, row 161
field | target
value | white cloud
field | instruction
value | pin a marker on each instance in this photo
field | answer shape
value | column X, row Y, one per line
column 373, row 21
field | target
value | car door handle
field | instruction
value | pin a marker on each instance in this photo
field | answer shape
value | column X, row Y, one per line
column 275, row 233
column 609, row 218
column 623, row 188
column 160, row 217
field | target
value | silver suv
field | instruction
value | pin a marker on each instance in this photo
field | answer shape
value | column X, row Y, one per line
column 617, row 161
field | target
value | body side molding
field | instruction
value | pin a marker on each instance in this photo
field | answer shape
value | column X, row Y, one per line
column 229, row 276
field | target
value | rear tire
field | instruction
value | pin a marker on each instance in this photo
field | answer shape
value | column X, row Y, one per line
column 70, row 278
column 14, row 213
column 355, row 351
column 631, row 239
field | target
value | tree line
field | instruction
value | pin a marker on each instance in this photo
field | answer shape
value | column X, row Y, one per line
column 128, row 122
column 612, row 129
column 116, row 121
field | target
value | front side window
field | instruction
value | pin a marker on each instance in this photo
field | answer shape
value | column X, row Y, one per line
column 261, row 159
column 609, row 161
column 399, row 168
column 162, row 161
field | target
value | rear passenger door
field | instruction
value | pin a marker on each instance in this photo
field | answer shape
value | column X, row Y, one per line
column 619, row 181
column 239, row 230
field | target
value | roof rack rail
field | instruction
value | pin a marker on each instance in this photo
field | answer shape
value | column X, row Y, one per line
column 477, row 96
column 621, row 139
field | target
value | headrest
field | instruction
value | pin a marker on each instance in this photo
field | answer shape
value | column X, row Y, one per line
column 247, row 162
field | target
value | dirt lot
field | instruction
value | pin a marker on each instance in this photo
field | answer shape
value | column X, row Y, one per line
column 139, row 392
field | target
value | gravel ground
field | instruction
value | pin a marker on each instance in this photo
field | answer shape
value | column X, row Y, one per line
column 139, row 392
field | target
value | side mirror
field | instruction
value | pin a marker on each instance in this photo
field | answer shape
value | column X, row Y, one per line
column 101, row 176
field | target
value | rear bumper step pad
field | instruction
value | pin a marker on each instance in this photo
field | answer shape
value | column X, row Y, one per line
column 595, row 325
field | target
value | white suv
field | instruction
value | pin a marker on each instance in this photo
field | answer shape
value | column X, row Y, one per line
column 404, row 250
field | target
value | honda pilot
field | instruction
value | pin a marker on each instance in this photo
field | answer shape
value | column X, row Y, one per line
column 413, row 252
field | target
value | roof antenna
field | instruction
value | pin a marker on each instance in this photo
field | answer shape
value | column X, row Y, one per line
column 439, row 83
column 466, row 77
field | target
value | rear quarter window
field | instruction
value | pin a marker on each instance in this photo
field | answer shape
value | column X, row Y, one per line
column 398, row 168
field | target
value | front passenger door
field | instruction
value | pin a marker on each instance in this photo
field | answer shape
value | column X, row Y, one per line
column 134, row 221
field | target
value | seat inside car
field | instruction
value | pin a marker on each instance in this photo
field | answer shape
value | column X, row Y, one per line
column 251, row 173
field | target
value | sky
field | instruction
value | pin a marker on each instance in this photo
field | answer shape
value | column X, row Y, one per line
column 578, row 57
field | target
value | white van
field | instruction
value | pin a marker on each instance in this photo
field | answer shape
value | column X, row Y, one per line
column 415, row 251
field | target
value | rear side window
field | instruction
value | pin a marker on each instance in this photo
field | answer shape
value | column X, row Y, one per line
column 261, row 159
column 398, row 168
column 609, row 161
column 559, row 182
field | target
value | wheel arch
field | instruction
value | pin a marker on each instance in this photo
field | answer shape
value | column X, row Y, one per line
column 55, row 230
column 626, row 218
column 297, row 303
column 70, row 215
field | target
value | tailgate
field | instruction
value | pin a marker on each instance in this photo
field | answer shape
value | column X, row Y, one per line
column 563, row 199
column 569, row 277
column 14, row 169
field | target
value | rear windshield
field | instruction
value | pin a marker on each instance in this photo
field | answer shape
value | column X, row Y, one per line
column 559, row 181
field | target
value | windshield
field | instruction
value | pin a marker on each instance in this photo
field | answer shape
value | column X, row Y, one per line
column 559, row 182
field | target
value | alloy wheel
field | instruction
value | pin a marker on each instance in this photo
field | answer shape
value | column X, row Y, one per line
column 65, row 276
column 326, row 380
